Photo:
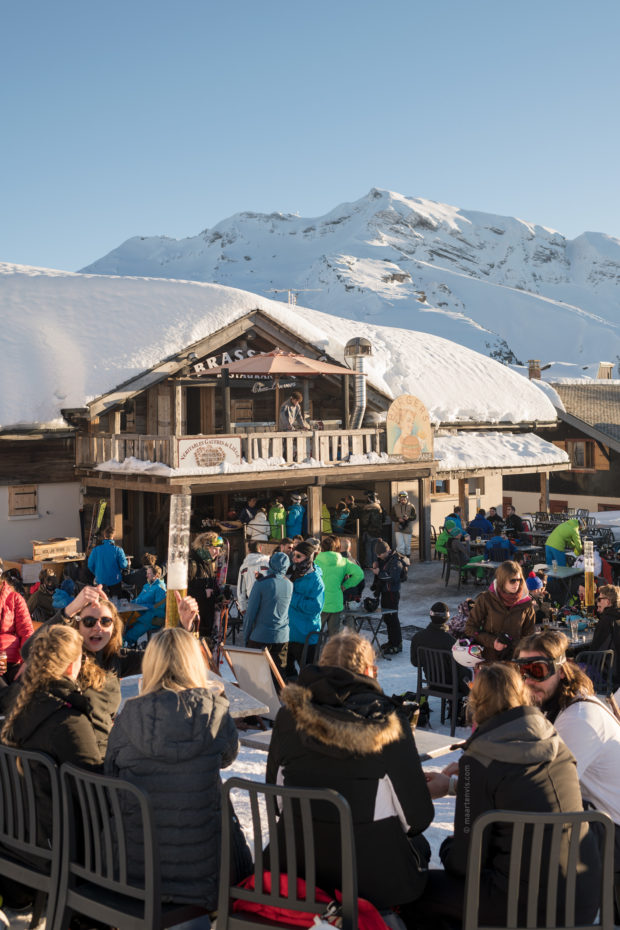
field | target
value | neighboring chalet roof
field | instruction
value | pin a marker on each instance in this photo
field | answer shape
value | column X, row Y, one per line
column 69, row 339
column 593, row 407
column 511, row 452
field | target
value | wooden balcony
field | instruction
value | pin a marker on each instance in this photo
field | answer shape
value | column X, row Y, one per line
column 327, row 446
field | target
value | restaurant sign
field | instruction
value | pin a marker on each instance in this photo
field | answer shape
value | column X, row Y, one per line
column 210, row 451
column 409, row 430
column 225, row 358
column 270, row 384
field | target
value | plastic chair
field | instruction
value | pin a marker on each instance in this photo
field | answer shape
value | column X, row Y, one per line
column 288, row 816
column 102, row 876
column 438, row 676
column 29, row 781
column 537, row 841
column 320, row 640
column 598, row 665
column 453, row 562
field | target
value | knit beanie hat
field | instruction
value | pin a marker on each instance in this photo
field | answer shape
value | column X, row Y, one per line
column 440, row 612
column 306, row 549
column 533, row 582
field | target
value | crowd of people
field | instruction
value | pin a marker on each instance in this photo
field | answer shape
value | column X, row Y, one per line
column 540, row 741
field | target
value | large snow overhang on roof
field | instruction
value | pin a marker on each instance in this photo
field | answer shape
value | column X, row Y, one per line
column 509, row 453
column 95, row 332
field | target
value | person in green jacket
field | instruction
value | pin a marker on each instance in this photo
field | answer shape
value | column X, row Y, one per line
column 326, row 520
column 565, row 536
column 338, row 575
column 277, row 519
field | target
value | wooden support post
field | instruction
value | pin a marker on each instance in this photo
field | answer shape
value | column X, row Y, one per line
column 543, row 503
column 315, row 502
column 346, row 409
column 226, row 399
column 177, row 410
column 116, row 513
column 424, row 519
column 116, row 422
column 464, row 501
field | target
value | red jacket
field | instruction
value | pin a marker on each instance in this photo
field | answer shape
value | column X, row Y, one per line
column 15, row 623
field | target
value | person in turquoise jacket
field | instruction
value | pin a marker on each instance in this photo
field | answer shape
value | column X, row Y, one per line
column 338, row 575
column 565, row 536
column 266, row 620
column 277, row 519
column 153, row 596
column 304, row 613
column 295, row 516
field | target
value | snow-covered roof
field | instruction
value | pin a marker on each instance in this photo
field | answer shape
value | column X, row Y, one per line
column 465, row 450
column 68, row 338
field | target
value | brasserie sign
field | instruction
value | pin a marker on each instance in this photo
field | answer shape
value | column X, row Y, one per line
column 226, row 358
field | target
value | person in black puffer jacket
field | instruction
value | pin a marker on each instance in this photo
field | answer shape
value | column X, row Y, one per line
column 515, row 761
column 50, row 714
column 172, row 741
column 607, row 632
column 337, row 729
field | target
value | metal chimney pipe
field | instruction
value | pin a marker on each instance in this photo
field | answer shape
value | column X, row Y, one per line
column 358, row 349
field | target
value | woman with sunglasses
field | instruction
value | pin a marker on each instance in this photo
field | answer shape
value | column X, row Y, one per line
column 337, row 729
column 607, row 632
column 304, row 612
column 515, row 761
column 100, row 627
column 502, row 615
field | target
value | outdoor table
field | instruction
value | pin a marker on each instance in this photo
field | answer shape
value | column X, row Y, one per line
column 374, row 622
column 429, row 744
column 487, row 566
column 126, row 607
column 241, row 703
column 563, row 574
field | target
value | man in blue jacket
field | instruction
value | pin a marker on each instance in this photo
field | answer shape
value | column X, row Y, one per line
column 266, row 618
column 107, row 562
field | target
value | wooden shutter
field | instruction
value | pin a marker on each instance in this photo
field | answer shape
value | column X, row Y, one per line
column 601, row 457
column 23, row 500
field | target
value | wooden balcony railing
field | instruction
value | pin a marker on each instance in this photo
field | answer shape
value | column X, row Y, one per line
column 327, row 446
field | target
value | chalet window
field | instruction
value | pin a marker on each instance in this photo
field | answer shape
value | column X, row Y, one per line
column 581, row 454
column 23, row 500
column 439, row 486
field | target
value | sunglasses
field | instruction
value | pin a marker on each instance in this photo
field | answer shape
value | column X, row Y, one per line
column 298, row 555
column 538, row 669
column 89, row 622
column 514, row 581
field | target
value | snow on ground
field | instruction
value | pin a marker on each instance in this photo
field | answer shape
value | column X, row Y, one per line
column 95, row 332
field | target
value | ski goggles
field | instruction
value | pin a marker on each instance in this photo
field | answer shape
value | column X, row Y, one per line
column 89, row 622
column 538, row 669
column 474, row 649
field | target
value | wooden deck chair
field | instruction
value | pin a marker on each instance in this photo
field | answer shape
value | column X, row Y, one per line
column 255, row 672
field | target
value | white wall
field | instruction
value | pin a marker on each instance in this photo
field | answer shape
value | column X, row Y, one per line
column 59, row 515
column 443, row 504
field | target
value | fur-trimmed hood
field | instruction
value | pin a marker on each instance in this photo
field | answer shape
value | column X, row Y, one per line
column 342, row 710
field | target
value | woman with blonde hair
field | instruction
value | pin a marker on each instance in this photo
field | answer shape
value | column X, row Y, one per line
column 513, row 761
column 50, row 714
column 502, row 615
column 337, row 729
column 171, row 741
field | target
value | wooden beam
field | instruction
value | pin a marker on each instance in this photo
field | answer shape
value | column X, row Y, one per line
column 116, row 513
column 543, row 503
column 315, row 502
column 424, row 519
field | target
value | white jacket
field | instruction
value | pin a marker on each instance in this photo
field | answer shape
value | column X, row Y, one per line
column 254, row 562
column 258, row 528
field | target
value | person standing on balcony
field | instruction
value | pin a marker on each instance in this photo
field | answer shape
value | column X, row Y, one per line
column 107, row 562
column 291, row 414
column 403, row 517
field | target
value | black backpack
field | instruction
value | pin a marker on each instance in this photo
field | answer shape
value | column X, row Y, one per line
column 404, row 566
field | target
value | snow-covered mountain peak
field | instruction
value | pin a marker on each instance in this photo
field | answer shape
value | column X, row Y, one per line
column 501, row 285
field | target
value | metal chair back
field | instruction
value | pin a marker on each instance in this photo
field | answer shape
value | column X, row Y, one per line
column 598, row 666
column 438, row 677
column 543, row 870
column 287, row 817
column 30, row 825
column 105, row 875
column 320, row 640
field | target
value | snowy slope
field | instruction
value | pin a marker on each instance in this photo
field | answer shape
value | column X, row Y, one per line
column 67, row 338
column 486, row 281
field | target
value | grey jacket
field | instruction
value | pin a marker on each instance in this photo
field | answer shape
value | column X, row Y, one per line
column 172, row 745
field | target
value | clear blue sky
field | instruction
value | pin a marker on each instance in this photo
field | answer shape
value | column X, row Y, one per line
column 145, row 117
